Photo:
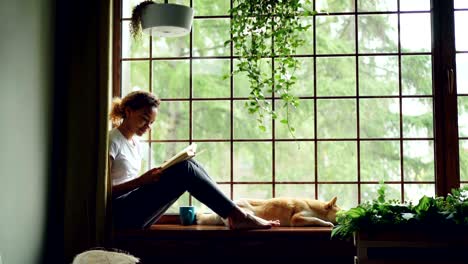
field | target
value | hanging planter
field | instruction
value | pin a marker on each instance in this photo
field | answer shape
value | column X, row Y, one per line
column 162, row 20
column 264, row 29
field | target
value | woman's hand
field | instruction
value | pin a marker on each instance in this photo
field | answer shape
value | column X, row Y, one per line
column 151, row 176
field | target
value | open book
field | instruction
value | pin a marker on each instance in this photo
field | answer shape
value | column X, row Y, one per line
column 184, row 154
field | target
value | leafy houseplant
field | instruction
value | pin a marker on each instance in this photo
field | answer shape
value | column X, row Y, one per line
column 380, row 214
column 268, row 29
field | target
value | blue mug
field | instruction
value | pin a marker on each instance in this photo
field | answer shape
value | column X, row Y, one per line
column 187, row 215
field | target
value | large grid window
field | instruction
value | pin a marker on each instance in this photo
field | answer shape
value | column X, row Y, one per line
column 366, row 103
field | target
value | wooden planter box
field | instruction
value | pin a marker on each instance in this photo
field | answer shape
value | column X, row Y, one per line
column 412, row 245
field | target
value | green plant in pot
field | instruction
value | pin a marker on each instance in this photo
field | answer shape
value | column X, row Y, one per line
column 161, row 19
column 263, row 29
column 431, row 213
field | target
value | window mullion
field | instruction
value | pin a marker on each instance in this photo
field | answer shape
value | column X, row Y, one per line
column 445, row 102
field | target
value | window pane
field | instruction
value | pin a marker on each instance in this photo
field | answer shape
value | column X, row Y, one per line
column 461, row 38
column 252, row 191
column 335, row 34
column 171, row 78
column 415, row 32
column 369, row 192
column 347, row 194
column 378, row 33
column 378, row 75
column 295, row 190
column 416, row 75
column 135, row 76
column 308, row 36
column 336, row 76
column 246, row 124
column 209, row 36
column 380, row 160
column 379, row 118
column 127, row 6
column 171, row 47
column 336, row 118
column 378, row 5
column 463, row 147
column 462, row 116
column 294, row 161
column 460, row 3
column 241, row 82
column 211, row 119
column 462, row 73
column 417, row 118
column 415, row 5
column 208, row 78
column 300, row 118
column 334, row 6
column 253, row 161
column 173, row 121
column 133, row 48
column 337, row 161
column 247, row 43
column 414, row 192
column 211, row 8
column 418, row 161
column 304, row 85
column 216, row 159
column 202, row 208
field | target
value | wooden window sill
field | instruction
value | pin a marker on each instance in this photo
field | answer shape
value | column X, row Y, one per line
column 174, row 243
column 212, row 230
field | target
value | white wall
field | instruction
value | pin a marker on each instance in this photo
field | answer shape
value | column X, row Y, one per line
column 25, row 110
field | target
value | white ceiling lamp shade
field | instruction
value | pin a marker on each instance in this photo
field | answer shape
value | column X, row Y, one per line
column 167, row 20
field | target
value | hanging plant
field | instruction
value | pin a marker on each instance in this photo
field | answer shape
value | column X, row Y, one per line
column 160, row 19
column 135, row 20
column 268, row 29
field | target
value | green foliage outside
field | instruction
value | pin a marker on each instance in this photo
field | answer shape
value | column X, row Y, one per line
column 333, row 73
column 383, row 214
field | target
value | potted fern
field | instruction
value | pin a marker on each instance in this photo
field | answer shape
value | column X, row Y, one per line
column 435, row 229
column 268, row 29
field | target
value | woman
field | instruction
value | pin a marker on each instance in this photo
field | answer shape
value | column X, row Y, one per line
column 139, row 201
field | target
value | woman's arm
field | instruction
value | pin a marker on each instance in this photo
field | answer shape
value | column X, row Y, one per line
column 147, row 178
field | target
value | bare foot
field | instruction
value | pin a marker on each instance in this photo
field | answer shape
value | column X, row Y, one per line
column 249, row 221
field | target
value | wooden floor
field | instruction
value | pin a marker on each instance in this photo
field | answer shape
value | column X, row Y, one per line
column 171, row 243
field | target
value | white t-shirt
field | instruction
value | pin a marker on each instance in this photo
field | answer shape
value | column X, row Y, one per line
column 127, row 157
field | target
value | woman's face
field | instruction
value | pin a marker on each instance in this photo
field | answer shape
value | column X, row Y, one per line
column 140, row 120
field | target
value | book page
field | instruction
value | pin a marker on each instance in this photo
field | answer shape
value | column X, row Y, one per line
column 184, row 154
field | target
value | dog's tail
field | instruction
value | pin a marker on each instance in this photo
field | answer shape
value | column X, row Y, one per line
column 209, row 219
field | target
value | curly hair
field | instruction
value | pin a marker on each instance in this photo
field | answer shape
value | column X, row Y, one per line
column 134, row 100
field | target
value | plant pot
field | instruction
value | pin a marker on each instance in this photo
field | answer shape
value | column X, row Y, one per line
column 412, row 245
column 167, row 20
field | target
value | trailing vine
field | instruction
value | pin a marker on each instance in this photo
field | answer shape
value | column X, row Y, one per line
column 135, row 21
column 263, row 29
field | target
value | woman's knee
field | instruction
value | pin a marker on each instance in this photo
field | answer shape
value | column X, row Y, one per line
column 181, row 169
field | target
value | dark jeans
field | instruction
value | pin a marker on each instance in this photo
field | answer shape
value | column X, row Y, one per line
column 143, row 206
